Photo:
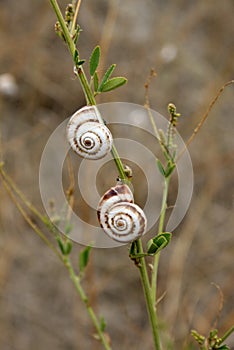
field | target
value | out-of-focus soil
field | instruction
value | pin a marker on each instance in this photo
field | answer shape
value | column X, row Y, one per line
column 191, row 46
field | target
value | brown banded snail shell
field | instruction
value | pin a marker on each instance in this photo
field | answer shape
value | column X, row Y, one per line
column 87, row 134
column 120, row 218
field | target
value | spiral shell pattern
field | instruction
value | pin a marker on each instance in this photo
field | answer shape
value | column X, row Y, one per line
column 87, row 134
column 120, row 218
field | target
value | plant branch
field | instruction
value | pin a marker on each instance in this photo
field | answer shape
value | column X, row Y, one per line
column 164, row 204
column 160, row 230
column 84, row 83
column 26, row 202
column 76, row 281
column 10, row 187
column 204, row 117
column 148, row 296
column 227, row 334
column 28, row 219
column 75, row 16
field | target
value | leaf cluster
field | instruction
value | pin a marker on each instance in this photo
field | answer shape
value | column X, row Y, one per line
column 106, row 83
column 154, row 246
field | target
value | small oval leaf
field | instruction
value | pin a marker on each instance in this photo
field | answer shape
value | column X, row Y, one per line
column 133, row 248
column 67, row 247
column 102, row 324
column 151, row 247
column 106, row 76
column 94, row 60
column 68, row 228
column 113, row 83
column 95, row 81
column 160, row 167
column 84, row 258
column 158, row 243
column 76, row 56
column 61, row 245
column 79, row 63
column 169, row 170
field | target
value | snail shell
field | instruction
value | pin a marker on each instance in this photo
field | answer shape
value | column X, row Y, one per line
column 87, row 134
column 120, row 218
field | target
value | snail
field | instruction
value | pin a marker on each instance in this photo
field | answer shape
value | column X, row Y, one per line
column 87, row 134
column 120, row 218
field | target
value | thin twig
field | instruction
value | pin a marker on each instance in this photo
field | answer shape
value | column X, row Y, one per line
column 29, row 221
column 163, row 146
column 227, row 334
column 75, row 16
column 221, row 299
column 204, row 117
column 76, row 280
column 71, row 189
column 151, row 75
column 20, row 194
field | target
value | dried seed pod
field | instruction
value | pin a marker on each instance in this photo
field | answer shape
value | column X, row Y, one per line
column 120, row 218
column 87, row 134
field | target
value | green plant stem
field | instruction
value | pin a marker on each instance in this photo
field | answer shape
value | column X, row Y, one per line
column 85, row 86
column 72, row 48
column 164, row 204
column 119, row 165
column 10, row 187
column 151, row 291
column 84, row 83
column 76, row 281
column 227, row 334
column 63, row 25
column 160, row 230
column 148, row 297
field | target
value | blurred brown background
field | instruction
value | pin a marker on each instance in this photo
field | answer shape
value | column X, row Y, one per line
column 191, row 46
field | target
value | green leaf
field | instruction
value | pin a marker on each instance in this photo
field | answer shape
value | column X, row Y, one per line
column 106, row 76
column 61, row 245
column 133, row 249
column 94, row 60
column 79, row 63
column 76, row 56
column 169, row 169
column 113, row 83
column 67, row 247
column 174, row 155
column 223, row 347
column 102, row 324
column 76, row 34
column 84, row 258
column 68, row 228
column 95, row 81
column 160, row 167
column 158, row 243
column 151, row 247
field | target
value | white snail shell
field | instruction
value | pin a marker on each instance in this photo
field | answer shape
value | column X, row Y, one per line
column 120, row 218
column 87, row 134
